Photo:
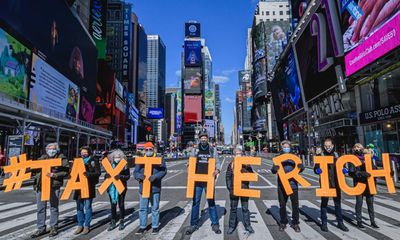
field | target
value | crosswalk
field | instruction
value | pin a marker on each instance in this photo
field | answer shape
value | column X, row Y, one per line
column 18, row 221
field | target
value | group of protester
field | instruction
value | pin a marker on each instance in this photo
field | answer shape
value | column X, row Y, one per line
column 203, row 153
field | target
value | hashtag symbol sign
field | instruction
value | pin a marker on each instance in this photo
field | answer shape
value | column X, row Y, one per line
column 18, row 174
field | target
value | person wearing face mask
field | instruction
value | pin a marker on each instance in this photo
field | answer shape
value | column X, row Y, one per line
column 288, row 166
column 84, row 205
column 328, row 150
column 235, row 200
column 57, row 176
column 158, row 173
column 204, row 153
column 116, row 198
column 360, row 175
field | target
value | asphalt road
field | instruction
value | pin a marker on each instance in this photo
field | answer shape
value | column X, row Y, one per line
column 18, row 212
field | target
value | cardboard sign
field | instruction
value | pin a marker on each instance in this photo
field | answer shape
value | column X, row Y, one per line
column 384, row 172
column 78, row 168
column 239, row 177
column 112, row 172
column 148, row 163
column 352, row 191
column 324, row 190
column 193, row 177
column 46, row 166
column 294, row 174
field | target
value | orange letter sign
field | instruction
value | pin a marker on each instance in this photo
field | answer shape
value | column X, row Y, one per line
column 239, row 177
column 46, row 166
column 78, row 168
column 112, row 172
column 193, row 177
column 148, row 163
column 352, row 191
column 284, row 177
column 324, row 190
column 385, row 172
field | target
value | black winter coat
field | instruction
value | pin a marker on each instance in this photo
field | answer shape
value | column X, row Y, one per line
column 333, row 180
column 92, row 173
column 229, row 177
column 124, row 176
column 354, row 172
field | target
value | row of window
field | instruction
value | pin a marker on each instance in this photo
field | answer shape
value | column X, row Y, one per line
column 274, row 19
column 267, row 13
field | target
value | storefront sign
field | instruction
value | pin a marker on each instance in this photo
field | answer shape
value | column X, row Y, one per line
column 381, row 114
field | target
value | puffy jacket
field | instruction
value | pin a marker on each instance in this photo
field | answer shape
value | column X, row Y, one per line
column 61, row 172
column 124, row 176
column 358, row 173
column 333, row 181
column 230, row 178
column 92, row 173
column 288, row 166
column 159, row 171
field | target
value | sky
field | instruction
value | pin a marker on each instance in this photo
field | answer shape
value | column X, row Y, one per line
column 224, row 25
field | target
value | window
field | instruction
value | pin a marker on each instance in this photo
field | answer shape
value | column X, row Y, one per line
column 273, row 13
column 281, row 6
column 287, row 12
column 262, row 13
column 281, row 13
column 267, row 13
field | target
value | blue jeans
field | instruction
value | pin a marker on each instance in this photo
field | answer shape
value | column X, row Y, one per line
column 84, row 212
column 194, row 218
column 41, row 209
column 155, row 210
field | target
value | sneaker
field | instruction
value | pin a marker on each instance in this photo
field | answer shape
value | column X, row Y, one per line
column 324, row 227
column 191, row 230
column 230, row 230
column 53, row 232
column 140, row 231
column 249, row 229
column 155, row 231
column 360, row 225
column 112, row 226
column 78, row 230
column 342, row 227
column 373, row 224
column 282, row 227
column 85, row 230
column 121, row 225
column 216, row 229
column 38, row 233
column 296, row 227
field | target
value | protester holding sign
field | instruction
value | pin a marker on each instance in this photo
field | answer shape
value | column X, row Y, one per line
column 57, row 176
column 288, row 166
column 84, row 205
column 360, row 175
column 235, row 199
column 157, row 174
column 328, row 150
column 204, row 153
column 115, row 197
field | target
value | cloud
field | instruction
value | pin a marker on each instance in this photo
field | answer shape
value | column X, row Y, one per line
column 229, row 100
column 229, row 72
column 220, row 79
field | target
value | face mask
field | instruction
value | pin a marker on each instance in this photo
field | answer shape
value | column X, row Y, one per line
column 84, row 155
column 149, row 153
column 117, row 159
column 328, row 149
column 51, row 152
column 358, row 152
column 203, row 142
column 286, row 150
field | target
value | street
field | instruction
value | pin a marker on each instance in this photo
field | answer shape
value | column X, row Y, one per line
column 18, row 212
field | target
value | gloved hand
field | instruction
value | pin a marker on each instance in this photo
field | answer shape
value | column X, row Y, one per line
column 301, row 167
column 140, row 178
column 345, row 171
column 366, row 174
column 117, row 177
column 152, row 178
column 107, row 175
column 275, row 168
column 318, row 171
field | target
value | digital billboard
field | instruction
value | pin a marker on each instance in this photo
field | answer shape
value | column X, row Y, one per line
column 370, row 30
column 192, row 80
column 178, row 111
column 61, row 38
column 14, row 67
column 51, row 91
column 105, row 99
column 258, row 40
column 209, row 125
column 155, row 113
column 259, row 79
column 97, row 25
column 192, row 30
column 192, row 109
column 244, row 76
column 298, row 7
column 192, row 53
column 259, row 116
column 276, row 40
column 209, row 103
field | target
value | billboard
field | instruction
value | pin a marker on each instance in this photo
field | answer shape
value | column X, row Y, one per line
column 52, row 92
column 97, row 25
column 178, row 121
column 192, row 53
column 61, row 39
column 259, row 79
column 192, row 30
column 244, row 76
column 105, row 99
column 155, row 113
column 192, row 109
column 368, row 32
column 209, row 103
column 259, row 116
column 298, row 7
column 276, row 40
column 192, row 80
column 209, row 125
column 14, row 67
column 127, row 44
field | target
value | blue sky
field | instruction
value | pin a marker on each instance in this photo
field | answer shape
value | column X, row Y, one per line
column 224, row 25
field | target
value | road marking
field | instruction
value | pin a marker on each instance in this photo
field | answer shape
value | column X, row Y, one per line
column 17, row 211
column 166, row 179
column 307, row 232
column 5, row 207
column 381, row 210
column 388, row 202
column 261, row 230
column 131, row 224
column 205, row 232
column 266, row 180
column 313, row 211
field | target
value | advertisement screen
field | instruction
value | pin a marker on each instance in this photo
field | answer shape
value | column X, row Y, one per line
column 259, row 116
column 192, row 81
column 370, row 30
column 209, row 103
column 51, row 91
column 105, row 99
column 258, row 37
column 259, row 79
column 298, row 8
column 192, row 109
column 178, row 111
column 276, row 40
column 155, row 113
column 244, row 76
column 61, row 38
column 14, row 67
column 192, row 53
column 192, row 29
column 97, row 25
column 210, row 126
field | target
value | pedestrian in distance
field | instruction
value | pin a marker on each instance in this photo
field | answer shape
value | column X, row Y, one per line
column 57, row 176
column 360, row 175
column 116, row 198
column 204, row 153
column 235, row 200
column 288, row 166
column 84, row 205
column 328, row 149
column 158, row 173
